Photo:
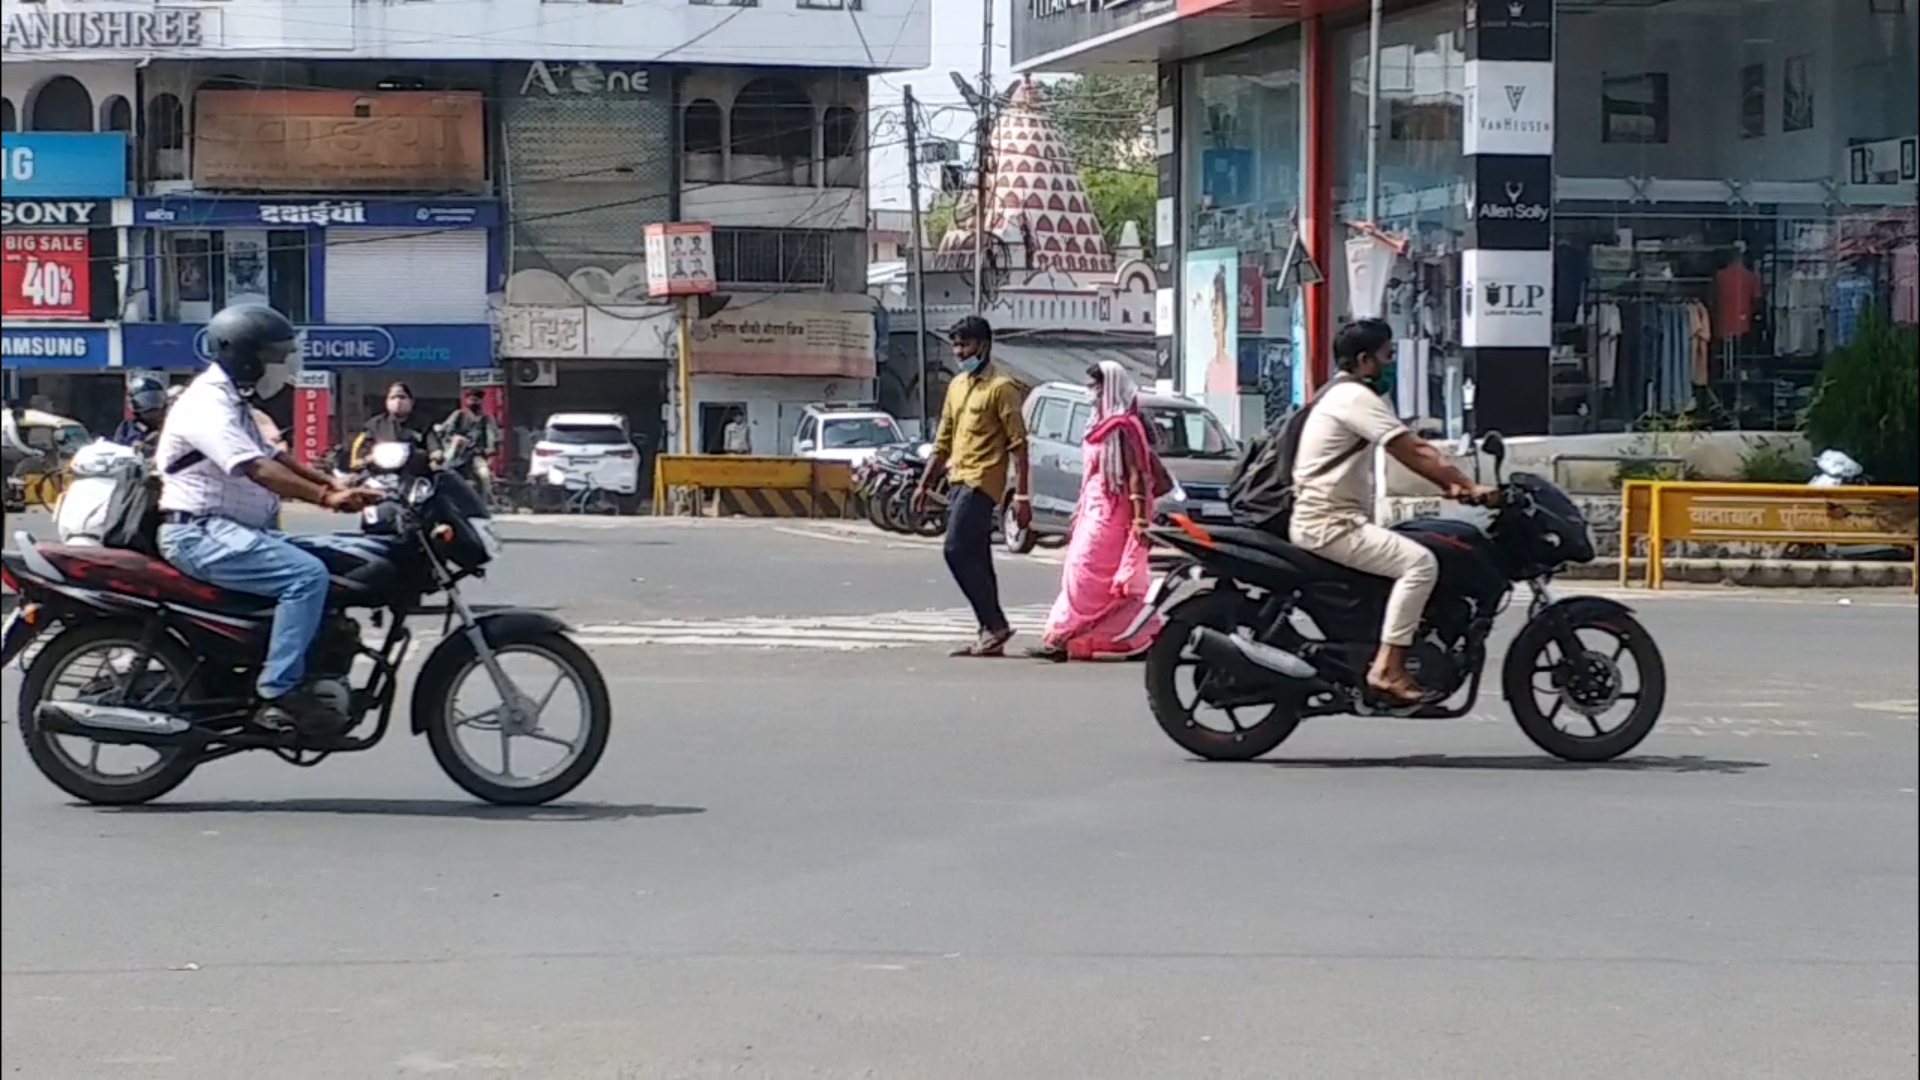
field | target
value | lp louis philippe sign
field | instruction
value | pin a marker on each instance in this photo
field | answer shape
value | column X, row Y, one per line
column 45, row 276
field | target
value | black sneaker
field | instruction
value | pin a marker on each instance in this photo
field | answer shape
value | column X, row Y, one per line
column 300, row 712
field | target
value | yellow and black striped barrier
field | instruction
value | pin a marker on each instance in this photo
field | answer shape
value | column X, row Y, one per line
column 43, row 489
column 739, row 486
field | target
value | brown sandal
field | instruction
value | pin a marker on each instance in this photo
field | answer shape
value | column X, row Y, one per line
column 1406, row 693
column 988, row 644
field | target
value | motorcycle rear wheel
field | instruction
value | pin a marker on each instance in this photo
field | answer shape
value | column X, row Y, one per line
column 1226, row 612
column 175, row 764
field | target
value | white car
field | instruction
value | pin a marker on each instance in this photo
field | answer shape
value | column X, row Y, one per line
column 839, row 433
column 595, row 447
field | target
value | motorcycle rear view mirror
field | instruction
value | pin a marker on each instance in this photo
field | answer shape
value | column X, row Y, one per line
column 390, row 456
column 1495, row 447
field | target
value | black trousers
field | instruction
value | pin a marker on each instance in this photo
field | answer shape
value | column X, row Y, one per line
column 969, row 550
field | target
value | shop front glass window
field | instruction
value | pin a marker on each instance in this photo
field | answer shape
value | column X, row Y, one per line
column 1422, row 194
column 1241, row 193
column 1730, row 203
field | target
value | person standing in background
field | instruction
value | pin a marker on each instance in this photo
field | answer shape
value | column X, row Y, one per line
column 734, row 438
column 982, row 441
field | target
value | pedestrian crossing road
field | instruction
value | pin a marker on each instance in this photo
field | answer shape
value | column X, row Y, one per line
column 889, row 630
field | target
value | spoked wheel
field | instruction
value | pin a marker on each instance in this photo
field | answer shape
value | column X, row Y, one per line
column 96, row 665
column 1596, row 704
column 877, row 510
column 532, row 749
column 929, row 522
column 1175, row 674
column 899, row 513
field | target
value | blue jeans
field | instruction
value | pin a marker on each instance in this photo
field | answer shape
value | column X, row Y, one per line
column 264, row 563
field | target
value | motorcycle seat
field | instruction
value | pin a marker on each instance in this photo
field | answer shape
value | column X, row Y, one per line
column 130, row 573
column 1309, row 564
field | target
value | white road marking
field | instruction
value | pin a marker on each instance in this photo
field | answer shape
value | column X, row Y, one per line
column 888, row 630
column 1898, row 706
column 832, row 536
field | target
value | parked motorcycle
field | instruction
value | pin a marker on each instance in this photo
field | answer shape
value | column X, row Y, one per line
column 169, row 663
column 893, row 474
column 1231, row 620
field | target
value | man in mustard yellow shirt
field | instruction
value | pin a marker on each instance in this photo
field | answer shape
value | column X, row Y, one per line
column 982, row 439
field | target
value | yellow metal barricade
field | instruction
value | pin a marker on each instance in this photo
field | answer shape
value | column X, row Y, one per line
column 1636, row 523
column 741, row 486
column 1699, row 512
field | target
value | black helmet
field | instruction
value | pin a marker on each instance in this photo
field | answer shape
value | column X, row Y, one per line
column 256, row 346
column 146, row 394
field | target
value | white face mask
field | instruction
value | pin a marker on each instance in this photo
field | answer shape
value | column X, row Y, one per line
column 279, row 375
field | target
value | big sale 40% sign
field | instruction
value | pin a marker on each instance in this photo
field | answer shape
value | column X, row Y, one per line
column 46, row 275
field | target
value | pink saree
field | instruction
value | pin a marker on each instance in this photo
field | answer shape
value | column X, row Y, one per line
column 1105, row 579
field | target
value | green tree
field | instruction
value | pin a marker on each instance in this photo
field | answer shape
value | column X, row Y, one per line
column 1105, row 120
column 938, row 219
column 1867, row 403
column 1120, row 196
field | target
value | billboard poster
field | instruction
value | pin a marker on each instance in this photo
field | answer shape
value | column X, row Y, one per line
column 46, row 275
column 1210, row 325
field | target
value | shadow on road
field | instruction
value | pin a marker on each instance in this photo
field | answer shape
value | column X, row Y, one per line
column 424, row 808
column 1526, row 763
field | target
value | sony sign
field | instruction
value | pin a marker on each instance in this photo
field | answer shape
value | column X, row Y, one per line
column 53, row 213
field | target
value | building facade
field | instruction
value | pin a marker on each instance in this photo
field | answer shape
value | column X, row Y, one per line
column 1672, row 224
column 434, row 207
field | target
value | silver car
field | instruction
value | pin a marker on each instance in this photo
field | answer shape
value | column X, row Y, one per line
column 1191, row 441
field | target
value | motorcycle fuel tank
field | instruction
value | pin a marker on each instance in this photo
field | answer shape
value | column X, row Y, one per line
column 1469, row 562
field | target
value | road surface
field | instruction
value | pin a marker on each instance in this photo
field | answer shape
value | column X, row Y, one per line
column 819, row 848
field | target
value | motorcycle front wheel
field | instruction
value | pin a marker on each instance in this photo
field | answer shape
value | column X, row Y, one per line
column 1170, row 656
column 578, row 682
column 1583, row 690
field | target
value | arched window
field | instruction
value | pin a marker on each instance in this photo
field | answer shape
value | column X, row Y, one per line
column 61, row 104
column 773, row 118
column 116, row 114
column 7, row 120
column 839, row 132
column 703, row 128
column 166, row 138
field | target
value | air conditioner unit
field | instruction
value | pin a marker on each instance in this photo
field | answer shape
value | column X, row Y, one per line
column 535, row 373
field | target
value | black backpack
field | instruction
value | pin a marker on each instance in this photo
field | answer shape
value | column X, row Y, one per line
column 1260, row 495
column 133, row 512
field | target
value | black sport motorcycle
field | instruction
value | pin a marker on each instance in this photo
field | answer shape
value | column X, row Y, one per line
column 1233, row 611
column 168, row 663
column 888, row 480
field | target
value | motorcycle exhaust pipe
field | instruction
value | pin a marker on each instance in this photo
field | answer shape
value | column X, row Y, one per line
column 111, row 723
column 1249, row 660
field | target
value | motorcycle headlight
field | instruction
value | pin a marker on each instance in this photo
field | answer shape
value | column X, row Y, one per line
column 483, row 528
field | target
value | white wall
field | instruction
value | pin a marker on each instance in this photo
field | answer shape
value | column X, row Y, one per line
column 102, row 80
column 886, row 35
column 1862, row 76
column 771, row 432
column 748, row 191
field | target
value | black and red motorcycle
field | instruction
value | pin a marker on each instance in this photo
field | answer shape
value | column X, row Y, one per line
column 1255, row 623
column 149, row 657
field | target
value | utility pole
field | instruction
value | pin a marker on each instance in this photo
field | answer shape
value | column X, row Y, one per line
column 919, row 259
column 982, row 150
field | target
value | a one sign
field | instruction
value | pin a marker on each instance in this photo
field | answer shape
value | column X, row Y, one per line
column 56, row 213
column 44, row 275
column 1509, row 107
column 167, row 29
column 339, row 140
column 198, row 213
column 585, row 79
column 1510, row 203
column 1506, row 299
column 64, row 165
column 441, row 347
column 79, row 347
column 680, row 259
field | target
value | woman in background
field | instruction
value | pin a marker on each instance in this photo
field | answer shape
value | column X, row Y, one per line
column 1105, row 578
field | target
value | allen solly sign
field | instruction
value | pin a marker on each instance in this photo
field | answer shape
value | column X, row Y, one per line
column 350, row 346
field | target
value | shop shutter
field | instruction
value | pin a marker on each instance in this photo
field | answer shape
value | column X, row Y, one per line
column 379, row 276
column 587, row 173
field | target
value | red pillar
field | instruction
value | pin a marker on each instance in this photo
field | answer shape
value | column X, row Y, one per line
column 1316, row 218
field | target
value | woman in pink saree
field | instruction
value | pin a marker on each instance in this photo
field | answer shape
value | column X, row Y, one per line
column 1105, row 580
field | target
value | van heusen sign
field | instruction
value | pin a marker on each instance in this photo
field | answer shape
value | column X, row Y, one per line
column 1041, row 27
column 160, row 30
